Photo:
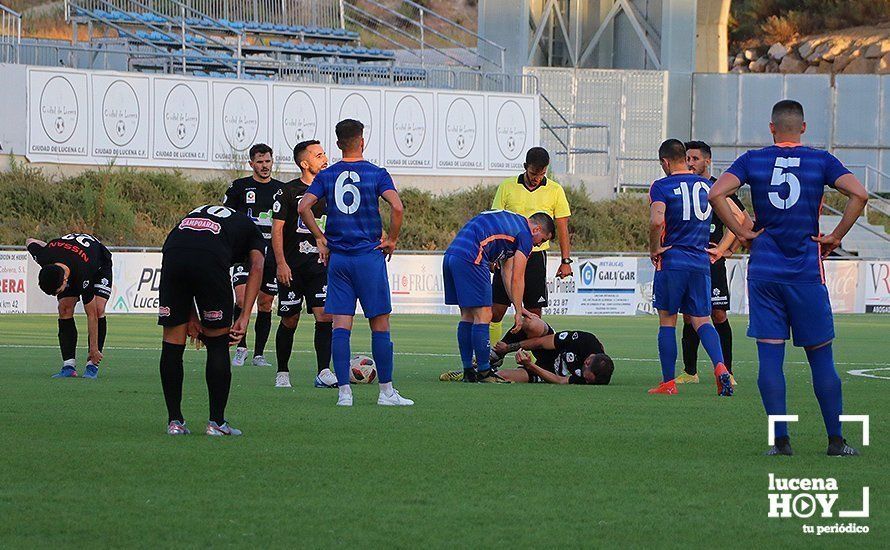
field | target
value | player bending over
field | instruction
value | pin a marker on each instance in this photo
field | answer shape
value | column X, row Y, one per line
column 569, row 357
column 786, row 283
column 722, row 245
column 493, row 238
column 680, row 220
column 197, row 256
column 301, row 274
column 355, row 252
column 76, row 267
column 254, row 195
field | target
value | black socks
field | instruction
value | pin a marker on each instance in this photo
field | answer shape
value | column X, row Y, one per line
column 262, row 328
column 323, row 333
column 725, row 332
column 67, row 339
column 171, row 379
column 218, row 375
column 690, row 342
column 284, row 343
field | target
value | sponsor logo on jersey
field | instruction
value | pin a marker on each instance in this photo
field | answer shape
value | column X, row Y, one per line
column 163, row 311
column 200, row 224
column 213, row 315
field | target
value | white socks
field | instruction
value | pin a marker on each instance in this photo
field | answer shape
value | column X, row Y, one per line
column 386, row 389
column 346, row 390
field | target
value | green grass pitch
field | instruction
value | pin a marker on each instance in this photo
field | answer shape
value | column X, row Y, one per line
column 87, row 463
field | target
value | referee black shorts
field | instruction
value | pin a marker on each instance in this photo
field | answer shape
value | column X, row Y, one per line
column 535, row 283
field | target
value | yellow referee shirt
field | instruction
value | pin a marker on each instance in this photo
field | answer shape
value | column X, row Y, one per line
column 549, row 197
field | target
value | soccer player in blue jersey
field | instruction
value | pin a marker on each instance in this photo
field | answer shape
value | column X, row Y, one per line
column 679, row 227
column 496, row 238
column 355, row 249
column 786, row 285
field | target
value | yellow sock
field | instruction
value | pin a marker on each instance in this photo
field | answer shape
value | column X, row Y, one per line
column 494, row 332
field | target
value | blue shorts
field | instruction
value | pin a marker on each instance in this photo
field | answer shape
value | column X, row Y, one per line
column 776, row 307
column 687, row 291
column 362, row 277
column 466, row 284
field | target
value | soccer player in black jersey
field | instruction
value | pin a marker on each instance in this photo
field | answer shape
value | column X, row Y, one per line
column 254, row 196
column 722, row 245
column 76, row 267
column 197, row 256
column 301, row 274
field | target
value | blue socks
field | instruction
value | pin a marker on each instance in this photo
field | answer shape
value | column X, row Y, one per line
column 710, row 340
column 771, row 381
column 381, row 349
column 827, row 387
column 481, row 346
column 465, row 343
column 341, row 354
column 667, row 351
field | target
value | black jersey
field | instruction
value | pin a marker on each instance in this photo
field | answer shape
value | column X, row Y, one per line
column 572, row 348
column 248, row 196
column 717, row 227
column 299, row 243
column 84, row 255
column 224, row 232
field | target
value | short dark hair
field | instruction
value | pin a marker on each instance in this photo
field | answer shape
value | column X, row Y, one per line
column 544, row 221
column 672, row 150
column 50, row 278
column 302, row 146
column 259, row 149
column 787, row 115
column 537, row 157
column 602, row 368
column 700, row 145
column 348, row 131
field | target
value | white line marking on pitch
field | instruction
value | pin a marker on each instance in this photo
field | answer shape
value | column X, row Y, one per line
column 865, row 373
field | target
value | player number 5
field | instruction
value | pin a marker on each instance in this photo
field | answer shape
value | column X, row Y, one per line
column 780, row 176
column 341, row 189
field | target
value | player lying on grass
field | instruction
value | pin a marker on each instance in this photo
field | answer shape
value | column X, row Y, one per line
column 76, row 267
column 569, row 357
column 786, row 282
column 197, row 257
column 496, row 237
column 680, row 220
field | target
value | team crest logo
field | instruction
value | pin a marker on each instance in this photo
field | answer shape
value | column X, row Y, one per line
column 86, row 284
column 250, row 197
column 570, row 357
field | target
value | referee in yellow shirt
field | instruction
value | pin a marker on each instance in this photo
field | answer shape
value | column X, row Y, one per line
column 526, row 194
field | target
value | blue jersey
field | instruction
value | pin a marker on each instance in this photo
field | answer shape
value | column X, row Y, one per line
column 491, row 237
column 787, row 183
column 687, row 221
column 351, row 190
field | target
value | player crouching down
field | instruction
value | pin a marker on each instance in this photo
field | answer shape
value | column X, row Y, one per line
column 569, row 357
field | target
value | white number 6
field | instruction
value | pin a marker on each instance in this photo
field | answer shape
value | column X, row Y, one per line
column 341, row 189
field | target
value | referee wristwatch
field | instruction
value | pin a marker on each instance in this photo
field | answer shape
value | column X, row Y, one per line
column 567, row 261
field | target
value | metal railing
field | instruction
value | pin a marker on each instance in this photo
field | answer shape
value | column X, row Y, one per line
column 10, row 35
column 320, row 13
column 568, row 141
column 417, row 29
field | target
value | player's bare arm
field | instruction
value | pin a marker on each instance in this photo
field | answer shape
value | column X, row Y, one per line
column 304, row 209
column 857, row 197
column 516, row 289
column 565, row 247
column 396, row 215
column 726, row 185
column 283, row 271
column 92, row 310
column 729, row 243
column 250, row 294
column 525, row 359
column 30, row 241
column 656, row 229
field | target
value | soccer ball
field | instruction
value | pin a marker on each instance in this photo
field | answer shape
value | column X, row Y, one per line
column 362, row 370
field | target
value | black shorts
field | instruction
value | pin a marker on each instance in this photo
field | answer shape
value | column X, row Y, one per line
column 535, row 284
column 190, row 277
column 719, row 286
column 309, row 283
column 270, row 276
column 100, row 285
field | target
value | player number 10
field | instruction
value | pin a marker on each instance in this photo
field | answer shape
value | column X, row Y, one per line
column 689, row 205
column 341, row 189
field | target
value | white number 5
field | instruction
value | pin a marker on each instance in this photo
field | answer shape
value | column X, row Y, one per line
column 341, row 189
column 780, row 176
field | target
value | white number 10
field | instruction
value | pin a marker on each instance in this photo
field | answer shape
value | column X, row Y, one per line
column 692, row 202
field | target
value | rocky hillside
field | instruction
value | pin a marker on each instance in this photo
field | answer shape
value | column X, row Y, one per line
column 858, row 50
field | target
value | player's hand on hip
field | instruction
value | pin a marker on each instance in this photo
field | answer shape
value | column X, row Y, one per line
column 284, row 274
column 518, row 319
column 565, row 270
column 745, row 236
column 827, row 243
column 655, row 255
column 324, row 253
column 714, row 252
column 95, row 356
column 387, row 245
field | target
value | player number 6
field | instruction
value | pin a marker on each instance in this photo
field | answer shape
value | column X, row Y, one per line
column 341, row 189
